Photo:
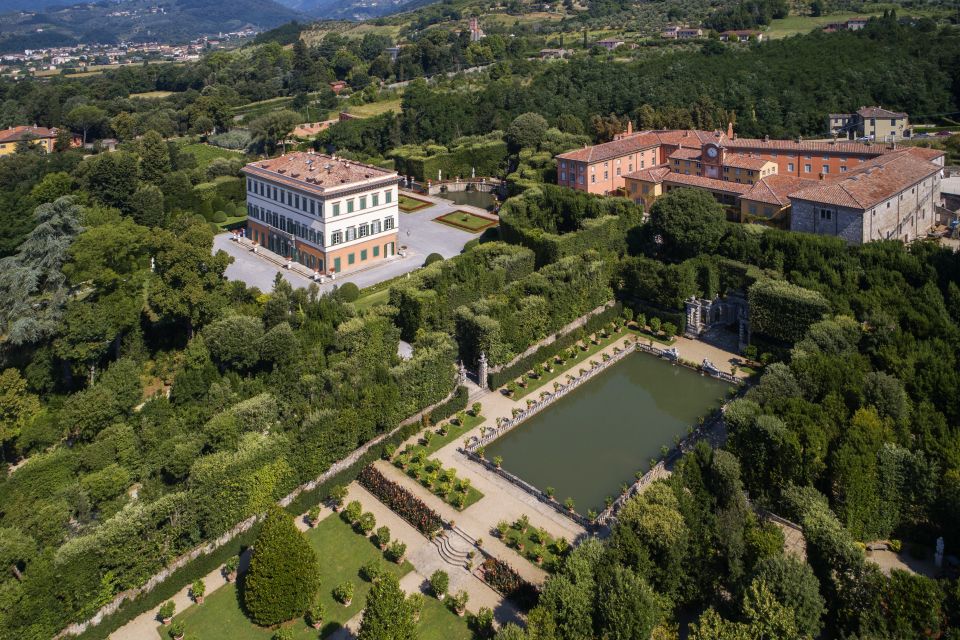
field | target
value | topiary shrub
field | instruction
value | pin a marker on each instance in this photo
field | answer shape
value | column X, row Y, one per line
column 282, row 580
column 433, row 257
column 219, row 216
column 348, row 292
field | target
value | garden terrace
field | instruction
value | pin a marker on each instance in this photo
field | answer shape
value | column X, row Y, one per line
column 344, row 553
column 477, row 155
column 505, row 323
column 533, row 543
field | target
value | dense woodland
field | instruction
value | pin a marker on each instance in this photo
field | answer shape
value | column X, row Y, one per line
column 110, row 297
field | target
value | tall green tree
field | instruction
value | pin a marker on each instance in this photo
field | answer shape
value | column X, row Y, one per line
column 284, row 572
column 86, row 117
column 387, row 615
column 154, row 157
column 274, row 128
column 689, row 222
column 188, row 285
column 33, row 288
column 17, row 407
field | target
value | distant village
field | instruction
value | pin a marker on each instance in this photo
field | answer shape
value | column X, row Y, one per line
column 83, row 58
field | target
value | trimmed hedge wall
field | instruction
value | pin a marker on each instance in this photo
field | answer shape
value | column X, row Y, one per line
column 556, row 222
column 428, row 298
column 485, row 157
column 784, row 311
column 457, row 403
column 497, row 379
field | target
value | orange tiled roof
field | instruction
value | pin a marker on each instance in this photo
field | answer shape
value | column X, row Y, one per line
column 740, row 161
column 686, row 153
column 701, row 182
column 872, row 182
column 925, row 153
column 315, row 171
column 776, row 189
column 16, row 134
column 610, row 150
column 689, row 137
column 758, row 144
column 879, row 112
column 655, row 175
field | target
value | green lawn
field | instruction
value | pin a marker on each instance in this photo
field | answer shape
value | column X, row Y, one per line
column 206, row 153
column 466, row 221
column 341, row 552
column 443, row 483
column 364, row 302
column 437, row 622
column 454, row 431
column 409, row 205
column 375, row 108
column 792, row 25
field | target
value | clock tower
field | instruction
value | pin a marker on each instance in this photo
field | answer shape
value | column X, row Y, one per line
column 711, row 158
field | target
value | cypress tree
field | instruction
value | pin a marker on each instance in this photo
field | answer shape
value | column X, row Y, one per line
column 283, row 575
column 388, row 615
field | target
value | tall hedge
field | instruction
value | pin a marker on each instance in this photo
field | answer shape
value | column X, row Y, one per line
column 482, row 156
column 508, row 322
column 284, row 573
column 556, row 222
column 783, row 311
column 428, row 298
column 497, row 379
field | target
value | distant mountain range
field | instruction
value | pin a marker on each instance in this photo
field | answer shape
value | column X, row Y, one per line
column 352, row 9
column 133, row 21
column 35, row 24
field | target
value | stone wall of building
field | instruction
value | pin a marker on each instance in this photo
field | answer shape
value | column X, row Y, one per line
column 843, row 223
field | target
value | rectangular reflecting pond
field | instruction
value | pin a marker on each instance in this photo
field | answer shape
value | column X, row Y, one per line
column 589, row 442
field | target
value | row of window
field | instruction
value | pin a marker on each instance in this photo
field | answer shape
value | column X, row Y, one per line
column 296, row 228
column 310, row 205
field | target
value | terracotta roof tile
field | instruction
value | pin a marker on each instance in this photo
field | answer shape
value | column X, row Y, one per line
column 610, row 150
column 879, row 112
column 314, row 171
column 872, row 182
column 654, row 175
column 760, row 145
column 776, row 189
column 17, row 134
column 685, row 180
column 740, row 161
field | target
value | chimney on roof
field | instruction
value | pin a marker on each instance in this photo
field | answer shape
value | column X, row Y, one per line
column 629, row 127
column 729, row 129
column 821, row 176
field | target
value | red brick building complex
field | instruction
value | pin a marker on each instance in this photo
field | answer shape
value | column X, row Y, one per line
column 763, row 179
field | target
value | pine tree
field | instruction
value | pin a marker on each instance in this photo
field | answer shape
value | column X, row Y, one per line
column 283, row 576
column 387, row 616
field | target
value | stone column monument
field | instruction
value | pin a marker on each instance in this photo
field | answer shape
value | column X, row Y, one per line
column 482, row 370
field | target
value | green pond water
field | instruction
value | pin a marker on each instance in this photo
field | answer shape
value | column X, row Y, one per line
column 588, row 443
column 478, row 199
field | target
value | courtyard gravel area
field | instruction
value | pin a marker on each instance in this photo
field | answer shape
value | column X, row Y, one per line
column 417, row 231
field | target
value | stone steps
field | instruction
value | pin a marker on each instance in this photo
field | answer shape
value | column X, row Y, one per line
column 453, row 549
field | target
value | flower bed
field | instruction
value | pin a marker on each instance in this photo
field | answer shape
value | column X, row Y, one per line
column 400, row 501
column 503, row 579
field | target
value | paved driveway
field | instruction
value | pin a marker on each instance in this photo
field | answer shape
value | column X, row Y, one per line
column 417, row 231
